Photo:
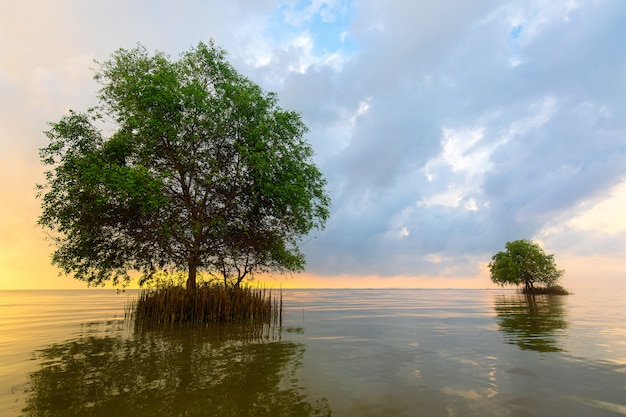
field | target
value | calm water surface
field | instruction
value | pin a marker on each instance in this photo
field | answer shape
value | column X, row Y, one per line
column 448, row 353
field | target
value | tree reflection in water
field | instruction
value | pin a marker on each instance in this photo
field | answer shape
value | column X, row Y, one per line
column 219, row 371
column 532, row 322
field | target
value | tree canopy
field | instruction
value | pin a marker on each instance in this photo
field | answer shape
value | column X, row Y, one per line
column 524, row 263
column 184, row 165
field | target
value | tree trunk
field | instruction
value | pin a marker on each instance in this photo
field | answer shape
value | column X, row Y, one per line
column 193, row 270
column 528, row 286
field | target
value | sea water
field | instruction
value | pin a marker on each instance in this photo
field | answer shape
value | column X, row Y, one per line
column 335, row 352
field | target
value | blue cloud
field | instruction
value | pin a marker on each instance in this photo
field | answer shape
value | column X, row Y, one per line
column 444, row 131
column 328, row 23
column 516, row 31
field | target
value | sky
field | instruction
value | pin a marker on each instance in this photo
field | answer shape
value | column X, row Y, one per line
column 444, row 129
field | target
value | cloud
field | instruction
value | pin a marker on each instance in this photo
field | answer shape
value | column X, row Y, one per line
column 445, row 129
column 461, row 151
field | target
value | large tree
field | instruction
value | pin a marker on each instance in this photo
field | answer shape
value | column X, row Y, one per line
column 524, row 263
column 184, row 165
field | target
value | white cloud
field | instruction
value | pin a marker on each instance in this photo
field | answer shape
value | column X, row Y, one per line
column 528, row 19
column 607, row 216
column 466, row 156
column 445, row 129
column 461, row 153
column 326, row 10
column 361, row 110
column 66, row 82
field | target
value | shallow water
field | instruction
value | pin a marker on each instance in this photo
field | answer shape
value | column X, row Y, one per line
column 340, row 352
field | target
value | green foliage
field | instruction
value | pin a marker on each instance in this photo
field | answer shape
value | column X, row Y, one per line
column 524, row 263
column 201, row 171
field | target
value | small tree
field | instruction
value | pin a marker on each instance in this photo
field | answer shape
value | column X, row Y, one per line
column 184, row 165
column 524, row 263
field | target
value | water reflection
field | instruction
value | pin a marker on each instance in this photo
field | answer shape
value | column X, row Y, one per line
column 532, row 322
column 218, row 371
